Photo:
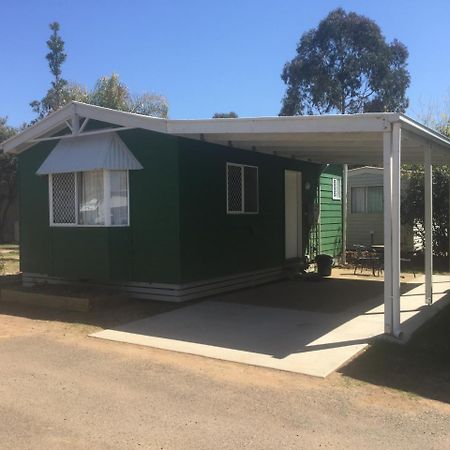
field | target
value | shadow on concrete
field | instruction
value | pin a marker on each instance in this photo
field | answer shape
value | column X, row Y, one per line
column 420, row 367
column 277, row 319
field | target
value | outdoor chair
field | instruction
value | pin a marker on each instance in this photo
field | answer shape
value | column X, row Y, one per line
column 367, row 258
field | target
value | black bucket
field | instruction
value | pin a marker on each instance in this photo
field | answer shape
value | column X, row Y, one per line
column 324, row 264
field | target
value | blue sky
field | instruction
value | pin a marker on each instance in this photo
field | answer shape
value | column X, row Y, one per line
column 204, row 56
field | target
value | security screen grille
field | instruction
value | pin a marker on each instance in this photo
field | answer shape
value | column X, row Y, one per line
column 90, row 198
column 64, row 198
column 242, row 189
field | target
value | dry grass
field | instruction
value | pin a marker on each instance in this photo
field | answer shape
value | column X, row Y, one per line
column 10, row 256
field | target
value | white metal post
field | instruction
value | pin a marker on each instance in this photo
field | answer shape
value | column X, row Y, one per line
column 387, row 191
column 428, row 194
column 396, row 182
column 344, row 213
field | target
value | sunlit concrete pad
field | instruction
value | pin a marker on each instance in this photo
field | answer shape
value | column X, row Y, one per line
column 305, row 342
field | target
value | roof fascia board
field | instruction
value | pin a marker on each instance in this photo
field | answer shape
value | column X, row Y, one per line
column 357, row 123
column 48, row 124
column 122, row 118
column 424, row 131
column 365, row 169
column 24, row 140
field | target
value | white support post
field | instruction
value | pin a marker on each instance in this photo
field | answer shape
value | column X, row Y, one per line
column 387, row 191
column 344, row 213
column 396, row 181
column 428, row 194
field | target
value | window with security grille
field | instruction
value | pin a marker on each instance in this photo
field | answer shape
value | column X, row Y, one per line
column 242, row 189
column 90, row 198
column 337, row 188
column 63, row 189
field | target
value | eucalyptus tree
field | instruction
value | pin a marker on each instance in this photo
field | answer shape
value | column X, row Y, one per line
column 345, row 66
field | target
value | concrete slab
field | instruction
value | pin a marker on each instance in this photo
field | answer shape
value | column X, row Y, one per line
column 299, row 341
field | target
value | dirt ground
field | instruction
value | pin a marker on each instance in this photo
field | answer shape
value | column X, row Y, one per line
column 61, row 389
column 9, row 259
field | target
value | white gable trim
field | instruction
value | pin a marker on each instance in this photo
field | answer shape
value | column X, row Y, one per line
column 58, row 120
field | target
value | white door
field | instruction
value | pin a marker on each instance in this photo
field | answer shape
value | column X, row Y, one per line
column 293, row 213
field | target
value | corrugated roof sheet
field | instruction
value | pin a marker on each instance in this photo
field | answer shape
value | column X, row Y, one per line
column 83, row 153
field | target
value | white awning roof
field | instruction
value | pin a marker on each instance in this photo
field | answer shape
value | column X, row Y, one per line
column 345, row 139
column 83, row 153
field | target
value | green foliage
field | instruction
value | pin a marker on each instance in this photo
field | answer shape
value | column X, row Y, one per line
column 8, row 176
column 345, row 65
column 56, row 96
column 228, row 115
column 110, row 92
column 8, row 186
column 413, row 204
column 6, row 131
column 154, row 105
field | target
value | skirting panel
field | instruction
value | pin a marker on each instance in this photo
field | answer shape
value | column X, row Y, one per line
column 172, row 292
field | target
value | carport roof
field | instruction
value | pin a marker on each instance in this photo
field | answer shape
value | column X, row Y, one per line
column 351, row 139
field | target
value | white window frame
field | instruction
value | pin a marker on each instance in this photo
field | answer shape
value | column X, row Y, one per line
column 106, row 203
column 336, row 188
column 242, row 211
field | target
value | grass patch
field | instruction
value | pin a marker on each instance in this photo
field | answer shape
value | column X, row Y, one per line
column 420, row 367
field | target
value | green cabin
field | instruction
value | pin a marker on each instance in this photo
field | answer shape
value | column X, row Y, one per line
column 165, row 211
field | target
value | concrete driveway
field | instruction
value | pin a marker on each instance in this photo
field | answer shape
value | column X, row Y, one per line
column 234, row 327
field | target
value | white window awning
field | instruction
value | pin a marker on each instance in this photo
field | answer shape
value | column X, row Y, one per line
column 94, row 152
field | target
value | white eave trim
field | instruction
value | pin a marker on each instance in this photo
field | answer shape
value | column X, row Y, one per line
column 339, row 123
column 40, row 128
column 422, row 130
column 57, row 120
column 224, row 130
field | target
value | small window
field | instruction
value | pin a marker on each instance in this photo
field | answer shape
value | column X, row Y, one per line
column 337, row 188
column 242, row 189
column 358, row 195
column 91, row 198
column 368, row 199
column 375, row 199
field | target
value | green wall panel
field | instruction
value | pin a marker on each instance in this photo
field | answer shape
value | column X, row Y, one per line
column 148, row 250
column 214, row 243
column 330, row 213
column 154, row 208
column 34, row 233
column 179, row 229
